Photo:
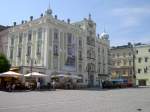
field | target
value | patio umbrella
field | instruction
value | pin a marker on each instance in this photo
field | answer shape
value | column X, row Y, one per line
column 60, row 75
column 75, row 77
column 35, row 74
column 10, row 74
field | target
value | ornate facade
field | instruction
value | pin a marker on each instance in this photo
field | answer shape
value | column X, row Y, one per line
column 53, row 46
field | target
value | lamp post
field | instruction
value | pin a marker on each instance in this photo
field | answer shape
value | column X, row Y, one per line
column 31, row 63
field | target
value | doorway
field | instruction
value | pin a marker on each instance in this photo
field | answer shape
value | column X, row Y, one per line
column 142, row 82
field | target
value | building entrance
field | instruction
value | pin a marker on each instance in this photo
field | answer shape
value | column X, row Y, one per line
column 91, row 80
column 142, row 82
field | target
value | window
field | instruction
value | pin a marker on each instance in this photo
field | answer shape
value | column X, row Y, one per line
column 29, row 51
column 146, row 59
column 11, row 53
column 148, row 50
column 39, row 34
column 145, row 70
column 38, row 49
column 117, row 54
column 118, row 63
column 113, row 55
column 55, row 36
column 12, row 41
column 29, row 36
column 139, row 60
column 113, row 63
column 117, row 72
column 139, row 70
column 80, row 68
column 136, row 51
column 130, row 72
column 55, row 63
column 80, row 55
column 69, row 38
column 124, row 54
column 19, row 52
column 88, row 40
column 55, row 50
column 124, row 72
column 80, row 43
column 98, row 50
column 129, row 53
column 124, row 62
column 103, row 51
column 20, row 37
column 130, row 63
column 89, row 55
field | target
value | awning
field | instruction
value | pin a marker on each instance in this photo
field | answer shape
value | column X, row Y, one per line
column 10, row 74
column 66, row 76
column 35, row 74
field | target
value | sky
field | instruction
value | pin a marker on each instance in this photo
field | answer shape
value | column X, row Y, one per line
column 124, row 20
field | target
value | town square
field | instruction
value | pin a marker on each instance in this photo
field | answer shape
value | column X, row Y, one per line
column 75, row 56
column 95, row 100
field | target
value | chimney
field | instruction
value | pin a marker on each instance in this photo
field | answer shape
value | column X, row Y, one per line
column 68, row 21
column 31, row 18
column 55, row 16
column 15, row 23
column 41, row 14
column 22, row 22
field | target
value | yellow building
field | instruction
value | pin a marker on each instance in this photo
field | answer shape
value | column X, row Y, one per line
column 142, row 63
column 122, row 62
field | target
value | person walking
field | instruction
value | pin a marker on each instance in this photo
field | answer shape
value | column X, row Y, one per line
column 38, row 85
column 13, row 87
column 53, row 84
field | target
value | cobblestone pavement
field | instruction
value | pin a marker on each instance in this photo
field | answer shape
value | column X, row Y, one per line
column 118, row 100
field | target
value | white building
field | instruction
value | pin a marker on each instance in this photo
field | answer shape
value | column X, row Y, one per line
column 54, row 46
column 142, row 64
column 3, row 40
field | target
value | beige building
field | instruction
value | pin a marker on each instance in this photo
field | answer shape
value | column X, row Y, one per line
column 53, row 46
column 3, row 40
column 122, row 62
column 142, row 63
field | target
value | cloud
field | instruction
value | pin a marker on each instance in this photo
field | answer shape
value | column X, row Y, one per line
column 131, row 17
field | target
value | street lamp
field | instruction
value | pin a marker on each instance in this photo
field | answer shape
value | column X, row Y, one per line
column 31, row 63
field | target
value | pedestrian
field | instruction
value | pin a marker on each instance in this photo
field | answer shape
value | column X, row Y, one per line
column 13, row 87
column 53, row 84
column 8, row 87
column 27, row 85
column 38, row 85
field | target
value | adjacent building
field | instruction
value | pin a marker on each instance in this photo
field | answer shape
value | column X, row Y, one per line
column 52, row 46
column 122, row 58
column 142, row 64
column 3, row 39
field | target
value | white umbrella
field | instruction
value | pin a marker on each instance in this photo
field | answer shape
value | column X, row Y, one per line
column 66, row 76
column 75, row 77
column 10, row 74
column 35, row 74
column 60, row 75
